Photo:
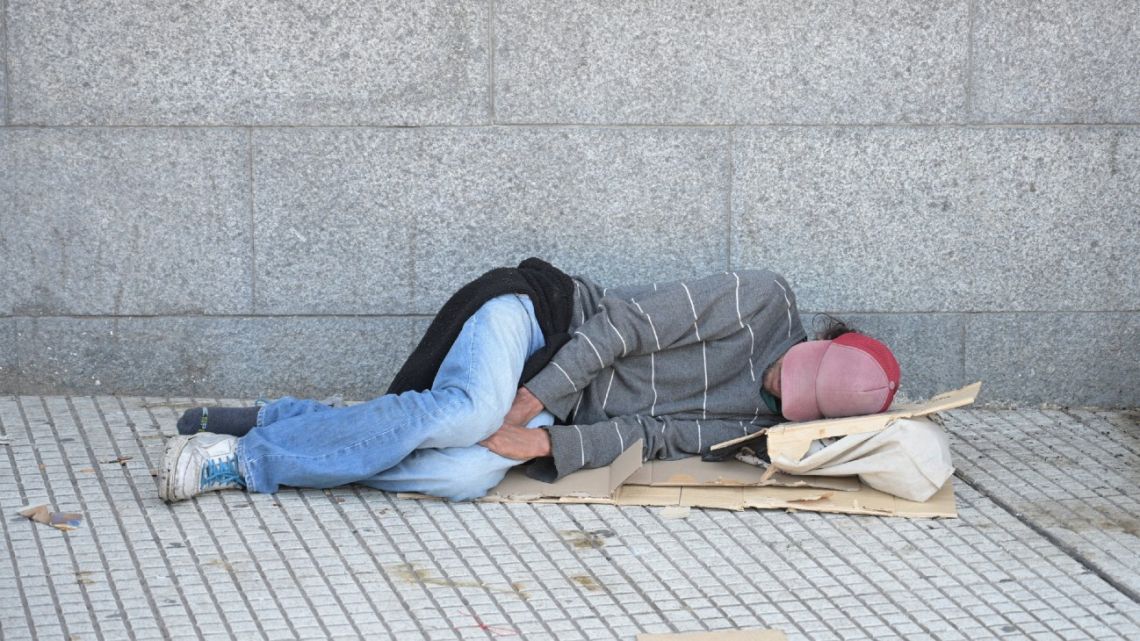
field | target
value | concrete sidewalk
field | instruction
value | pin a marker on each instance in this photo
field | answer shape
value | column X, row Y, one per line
column 1046, row 547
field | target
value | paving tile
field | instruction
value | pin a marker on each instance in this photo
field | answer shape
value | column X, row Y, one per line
column 310, row 563
column 997, row 450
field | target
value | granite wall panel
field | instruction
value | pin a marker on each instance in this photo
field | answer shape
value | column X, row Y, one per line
column 255, row 198
column 1059, row 359
column 199, row 356
column 9, row 364
column 945, row 219
column 124, row 221
column 394, row 221
column 1057, row 61
column 724, row 62
column 248, row 62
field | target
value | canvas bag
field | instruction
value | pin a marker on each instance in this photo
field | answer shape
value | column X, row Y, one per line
column 910, row 458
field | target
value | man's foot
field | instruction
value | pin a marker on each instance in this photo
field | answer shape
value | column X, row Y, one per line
column 235, row 421
column 196, row 464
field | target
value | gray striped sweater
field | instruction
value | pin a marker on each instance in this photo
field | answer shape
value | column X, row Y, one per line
column 678, row 365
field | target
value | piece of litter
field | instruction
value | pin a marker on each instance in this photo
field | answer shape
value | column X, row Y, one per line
column 121, row 460
column 675, row 512
column 746, row 455
column 582, row 540
column 59, row 520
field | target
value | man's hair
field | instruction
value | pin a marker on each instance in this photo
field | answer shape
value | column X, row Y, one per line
column 829, row 327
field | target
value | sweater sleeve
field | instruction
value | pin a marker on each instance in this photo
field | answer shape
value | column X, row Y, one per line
column 575, row 447
column 675, row 314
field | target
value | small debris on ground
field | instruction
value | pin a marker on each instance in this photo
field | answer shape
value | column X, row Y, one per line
column 582, row 539
column 65, row 521
column 409, row 573
column 587, row 582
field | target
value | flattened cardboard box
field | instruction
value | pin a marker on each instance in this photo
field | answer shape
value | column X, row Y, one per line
column 794, row 439
column 692, row 472
column 733, row 485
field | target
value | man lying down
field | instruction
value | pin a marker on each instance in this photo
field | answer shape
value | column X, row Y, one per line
column 529, row 363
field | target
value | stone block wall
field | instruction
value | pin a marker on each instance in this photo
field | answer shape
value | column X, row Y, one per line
column 262, row 197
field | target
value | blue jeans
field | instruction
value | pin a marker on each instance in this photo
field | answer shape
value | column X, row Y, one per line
column 412, row 442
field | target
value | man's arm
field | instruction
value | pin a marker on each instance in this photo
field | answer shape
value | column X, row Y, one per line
column 517, row 442
column 524, row 408
column 676, row 314
column 574, row 447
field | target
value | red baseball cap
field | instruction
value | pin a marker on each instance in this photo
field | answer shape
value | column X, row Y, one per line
column 851, row 375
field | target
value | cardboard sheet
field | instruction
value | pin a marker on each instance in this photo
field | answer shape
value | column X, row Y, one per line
column 863, row 501
column 695, row 472
column 793, row 439
column 733, row 485
column 517, row 487
column 598, row 482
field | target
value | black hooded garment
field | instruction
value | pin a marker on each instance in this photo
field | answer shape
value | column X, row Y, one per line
column 551, row 292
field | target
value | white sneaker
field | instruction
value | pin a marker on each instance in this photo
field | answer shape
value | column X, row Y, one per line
column 199, row 463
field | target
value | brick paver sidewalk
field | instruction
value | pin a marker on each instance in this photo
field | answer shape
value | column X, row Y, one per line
column 1045, row 547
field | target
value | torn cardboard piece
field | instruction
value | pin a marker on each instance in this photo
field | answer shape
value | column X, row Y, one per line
column 583, row 484
column 864, row 501
column 753, row 634
column 692, row 472
column 65, row 521
column 602, row 487
column 792, row 440
column 734, row 485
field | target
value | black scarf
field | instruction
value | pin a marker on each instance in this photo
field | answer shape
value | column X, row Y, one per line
column 550, row 290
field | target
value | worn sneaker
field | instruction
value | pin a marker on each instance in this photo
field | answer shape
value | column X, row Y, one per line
column 200, row 463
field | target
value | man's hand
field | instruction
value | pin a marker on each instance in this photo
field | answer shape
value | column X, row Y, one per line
column 519, row 443
column 525, row 407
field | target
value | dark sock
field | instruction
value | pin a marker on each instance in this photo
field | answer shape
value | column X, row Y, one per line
column 235, row 421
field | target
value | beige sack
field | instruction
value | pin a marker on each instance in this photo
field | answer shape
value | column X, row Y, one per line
column 910, row 459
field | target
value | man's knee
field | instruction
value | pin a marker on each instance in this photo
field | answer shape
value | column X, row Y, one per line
column 468, row 418
column 468, row 490
column 470, row 483
column 458, row 474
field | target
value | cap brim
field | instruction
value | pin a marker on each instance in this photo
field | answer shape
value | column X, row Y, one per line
column 798, row 400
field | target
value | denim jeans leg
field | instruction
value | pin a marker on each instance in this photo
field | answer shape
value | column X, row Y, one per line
column 470, row 396
column 456, row 473
column 286, row 407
